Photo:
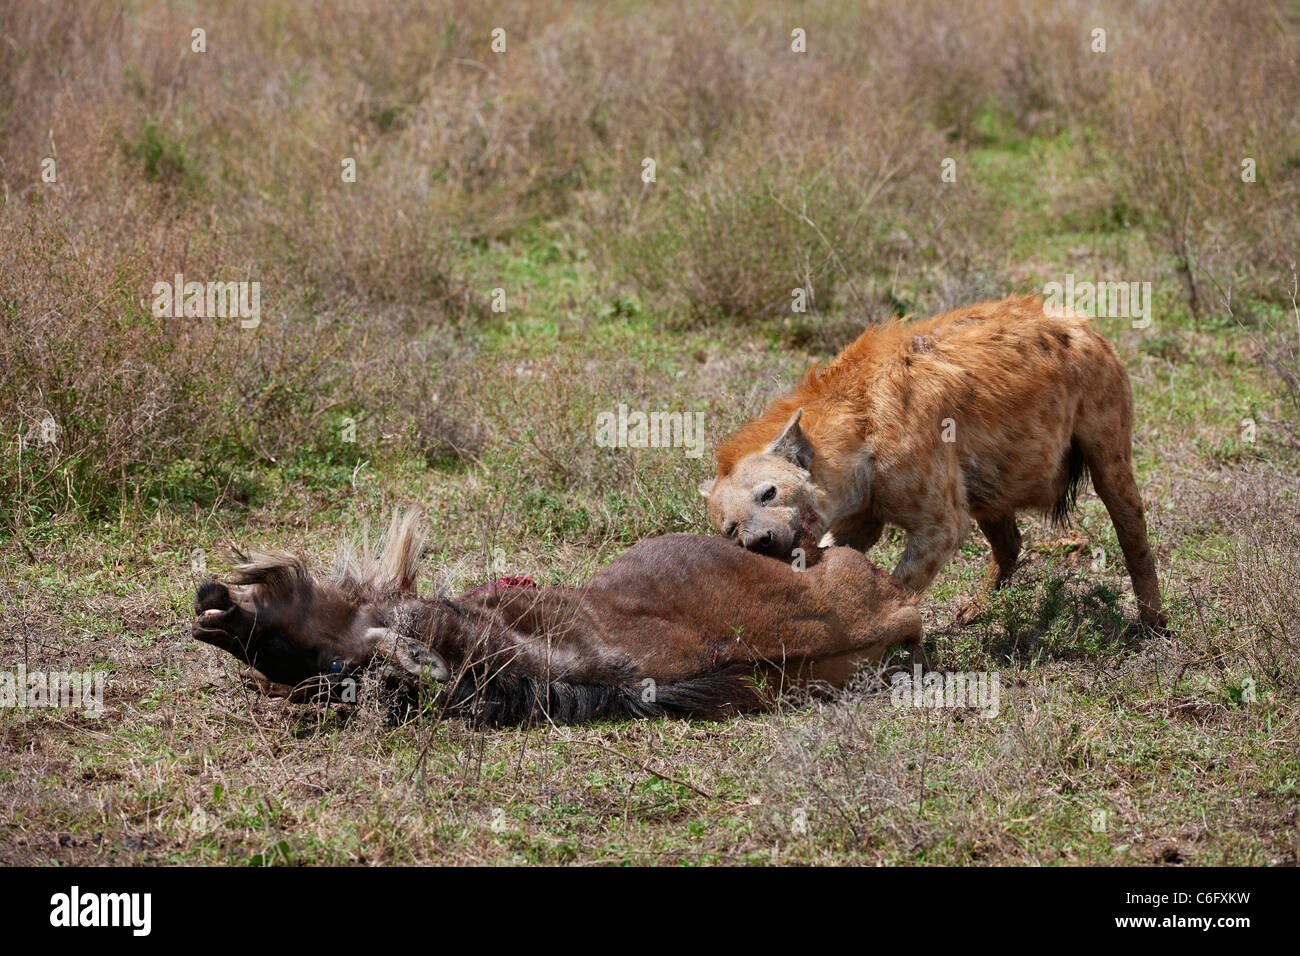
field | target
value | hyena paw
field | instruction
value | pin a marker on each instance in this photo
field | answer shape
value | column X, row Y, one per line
column 970, row 613
column 1154, row 622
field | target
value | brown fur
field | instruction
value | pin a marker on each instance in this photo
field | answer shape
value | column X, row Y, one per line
column 1030, row 400
column 713, row 629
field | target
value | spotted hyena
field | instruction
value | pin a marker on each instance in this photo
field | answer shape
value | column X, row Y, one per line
column 979, row 412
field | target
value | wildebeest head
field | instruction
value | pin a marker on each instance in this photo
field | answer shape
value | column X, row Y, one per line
column 768, row 502
column 275, row 616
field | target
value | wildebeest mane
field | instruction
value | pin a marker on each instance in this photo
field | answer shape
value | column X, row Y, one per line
column 511, row 699
column 387, row 571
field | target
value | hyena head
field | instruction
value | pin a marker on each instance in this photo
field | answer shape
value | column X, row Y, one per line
column 768, row 501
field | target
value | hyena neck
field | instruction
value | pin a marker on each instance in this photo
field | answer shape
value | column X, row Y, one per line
column 843, row 490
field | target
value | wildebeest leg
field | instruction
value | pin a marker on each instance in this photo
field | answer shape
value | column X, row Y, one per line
column 256, row 680
column 1004, row 538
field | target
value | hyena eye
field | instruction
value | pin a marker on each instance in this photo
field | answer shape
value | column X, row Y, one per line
column 769, row 494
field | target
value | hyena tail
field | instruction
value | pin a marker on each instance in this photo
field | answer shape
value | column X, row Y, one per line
column 1076, row 472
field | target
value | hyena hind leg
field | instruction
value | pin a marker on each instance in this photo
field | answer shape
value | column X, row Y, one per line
column 1112, row 477
column 1004, row 538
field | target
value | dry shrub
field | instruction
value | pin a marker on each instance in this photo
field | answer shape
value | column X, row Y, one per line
column 1269, row 621
column 122, row 389
column 1026, row 58
column 805, row 198
column 847, row 776
column 1255, row 591
column 860, row 774
column 833, row 181
column 737, row 243
column 542, row 417
column 133, row 397
column 1179, row 127
column 776, row 170
column 221, row 166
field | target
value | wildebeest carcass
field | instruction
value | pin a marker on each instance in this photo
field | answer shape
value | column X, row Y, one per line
column 684, row 625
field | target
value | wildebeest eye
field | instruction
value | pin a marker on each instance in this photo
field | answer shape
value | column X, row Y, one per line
column 336, row 667
column 769, row 494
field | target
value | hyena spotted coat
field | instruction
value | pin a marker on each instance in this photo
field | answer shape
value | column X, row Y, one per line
column 979, row 412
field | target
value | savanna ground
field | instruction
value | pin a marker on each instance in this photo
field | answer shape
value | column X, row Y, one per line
column 521, row 171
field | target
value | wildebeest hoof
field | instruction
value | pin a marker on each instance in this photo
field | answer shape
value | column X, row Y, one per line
column 255, row 680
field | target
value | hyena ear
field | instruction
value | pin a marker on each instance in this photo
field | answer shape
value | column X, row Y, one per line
column 706, row 487
column 792, row 444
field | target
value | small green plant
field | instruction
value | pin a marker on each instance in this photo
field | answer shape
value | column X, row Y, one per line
column 164, row 159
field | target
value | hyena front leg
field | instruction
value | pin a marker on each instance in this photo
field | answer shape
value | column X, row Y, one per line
column 1004, row 538
column 928, row 549
column 860, row 535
